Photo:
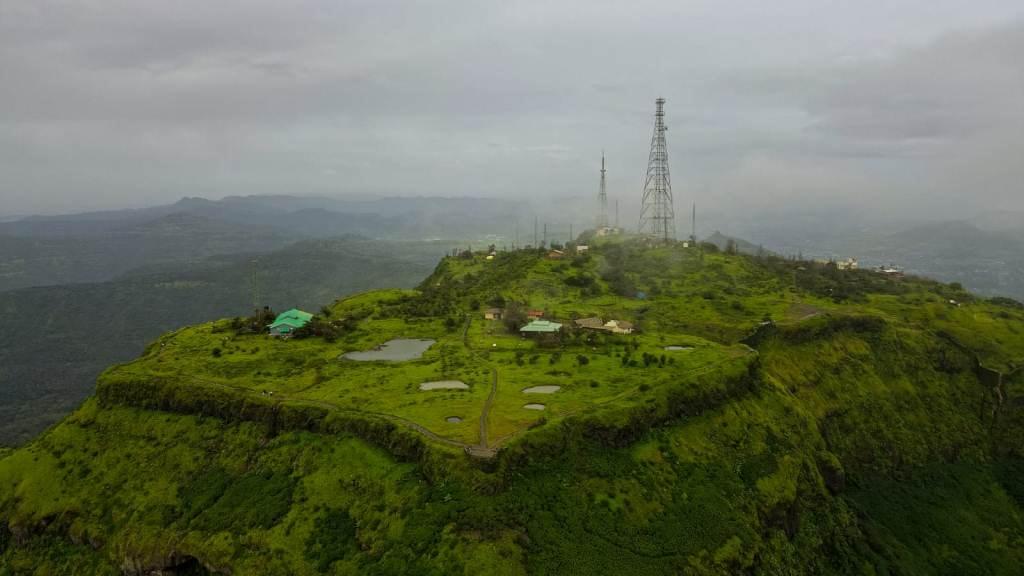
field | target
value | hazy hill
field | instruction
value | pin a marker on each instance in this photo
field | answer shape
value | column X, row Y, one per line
column 984, row 253
column 48, row 259
column 97, row 246
column 988, row 262
column 406, row 218
column 742, row 246
column 67, row 334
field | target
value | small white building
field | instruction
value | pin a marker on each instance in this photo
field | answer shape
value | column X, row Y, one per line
column 619, row 327
column 582, row 249
column 848, row 264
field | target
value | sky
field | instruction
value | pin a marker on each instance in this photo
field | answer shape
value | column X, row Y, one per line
column 911, row 107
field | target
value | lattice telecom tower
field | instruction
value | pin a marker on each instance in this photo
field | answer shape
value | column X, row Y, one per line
column 657, row 218
column 602, row 200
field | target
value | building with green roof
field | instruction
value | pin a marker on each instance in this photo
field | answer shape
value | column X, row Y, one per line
column 541, row 327
column 289, row 321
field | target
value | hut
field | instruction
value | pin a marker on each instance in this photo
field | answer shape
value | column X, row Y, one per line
column 288, row 322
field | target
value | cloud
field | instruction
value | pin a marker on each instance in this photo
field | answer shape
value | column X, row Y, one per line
column 117, row 102
column 959, row 86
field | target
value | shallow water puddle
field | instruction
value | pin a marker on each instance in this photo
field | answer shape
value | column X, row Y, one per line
column 395, row 350
column 549, row 389
column 444, row 385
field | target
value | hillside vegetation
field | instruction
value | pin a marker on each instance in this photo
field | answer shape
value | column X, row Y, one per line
column 764, row 416
column 66, row 335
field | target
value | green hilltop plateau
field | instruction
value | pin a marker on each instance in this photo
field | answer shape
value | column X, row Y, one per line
column 697, row 412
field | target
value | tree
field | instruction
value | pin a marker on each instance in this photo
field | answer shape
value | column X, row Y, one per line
column 515, row 316
column 582, row 360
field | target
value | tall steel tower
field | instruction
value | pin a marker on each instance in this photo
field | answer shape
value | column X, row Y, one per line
column 657, row 218
column 602, row 200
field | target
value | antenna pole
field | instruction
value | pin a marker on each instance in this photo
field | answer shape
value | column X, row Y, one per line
column 602, row 199
column 693, row 224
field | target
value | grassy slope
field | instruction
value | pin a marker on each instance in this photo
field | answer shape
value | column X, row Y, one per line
column 862, row 443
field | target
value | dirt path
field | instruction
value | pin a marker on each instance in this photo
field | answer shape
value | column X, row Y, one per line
column 482, row 449
column 801, row 311
column 487, row 407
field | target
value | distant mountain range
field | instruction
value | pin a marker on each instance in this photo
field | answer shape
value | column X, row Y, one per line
column 97, row 246
column 310, row 217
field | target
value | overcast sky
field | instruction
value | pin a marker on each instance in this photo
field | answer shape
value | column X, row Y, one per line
column 907, row 106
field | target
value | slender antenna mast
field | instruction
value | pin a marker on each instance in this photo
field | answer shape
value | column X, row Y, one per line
column 616, row 212
column 602, row 199
column 657, row 218
column 545, row 233
column 534, row 231
column 693, row 224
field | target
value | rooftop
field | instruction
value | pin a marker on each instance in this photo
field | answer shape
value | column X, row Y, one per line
column 541, row 326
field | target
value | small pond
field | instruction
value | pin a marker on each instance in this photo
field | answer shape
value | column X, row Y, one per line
column 534, row 406
column 453, row 419
column 393, row 350
column 542, row 389
column 678, row 348
column 445, row 385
